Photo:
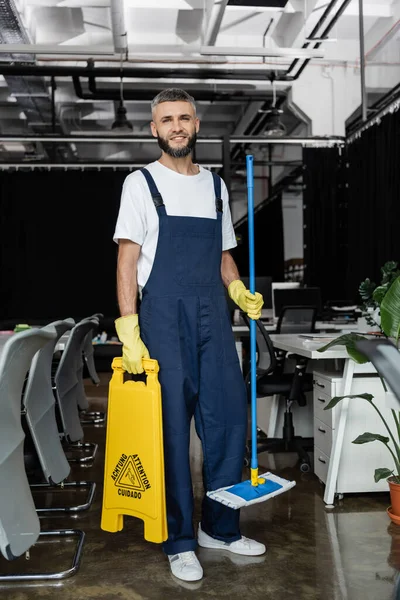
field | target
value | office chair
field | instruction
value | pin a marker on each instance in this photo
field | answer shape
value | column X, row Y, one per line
column 297, row 319
column 292, row 387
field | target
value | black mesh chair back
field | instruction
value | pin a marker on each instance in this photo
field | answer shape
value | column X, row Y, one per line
column 88, row 358
column 88, row 353
column 266, row 362
column 297, row 319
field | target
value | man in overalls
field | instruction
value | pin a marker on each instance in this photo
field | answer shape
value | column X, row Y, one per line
column 174, row 231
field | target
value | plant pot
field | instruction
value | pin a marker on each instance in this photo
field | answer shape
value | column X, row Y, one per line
column 394, row 510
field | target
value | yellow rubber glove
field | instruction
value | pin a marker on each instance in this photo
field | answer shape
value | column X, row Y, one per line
column 246, row 301
column 133, row 349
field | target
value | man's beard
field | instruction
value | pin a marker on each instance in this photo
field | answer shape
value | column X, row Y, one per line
column 177, row 152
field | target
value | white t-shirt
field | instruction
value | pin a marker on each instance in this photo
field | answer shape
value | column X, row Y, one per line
column 183, row 195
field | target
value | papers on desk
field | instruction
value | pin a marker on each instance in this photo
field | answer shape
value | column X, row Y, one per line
column 318, row 337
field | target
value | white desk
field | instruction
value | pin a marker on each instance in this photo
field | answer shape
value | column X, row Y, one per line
column 296, row 345
column 319, row 326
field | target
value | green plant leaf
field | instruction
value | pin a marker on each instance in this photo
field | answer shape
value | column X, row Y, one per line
column 337, row 399
column 382, row 474
column 366, row 289
column 390, row 310
column 379, row 293
column 348, row 340
column 388, row 269
column 367, row 437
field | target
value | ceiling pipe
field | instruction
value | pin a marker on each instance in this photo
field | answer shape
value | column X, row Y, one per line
column 23, row 70
column 118, row 26
column 148, row 94
column 364, row 108
column 316, row 29
column 325, row 33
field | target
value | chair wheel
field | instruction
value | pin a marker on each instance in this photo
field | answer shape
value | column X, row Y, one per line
column 305, row 467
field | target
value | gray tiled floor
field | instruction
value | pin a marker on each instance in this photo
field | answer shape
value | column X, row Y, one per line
column 350, row 553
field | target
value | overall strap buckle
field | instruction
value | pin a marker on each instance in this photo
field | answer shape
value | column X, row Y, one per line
column 217, row 191
column 155, row 194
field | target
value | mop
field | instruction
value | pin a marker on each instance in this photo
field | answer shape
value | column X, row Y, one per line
column 268, row 485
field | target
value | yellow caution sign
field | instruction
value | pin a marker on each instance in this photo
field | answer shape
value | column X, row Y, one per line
column 134, row 464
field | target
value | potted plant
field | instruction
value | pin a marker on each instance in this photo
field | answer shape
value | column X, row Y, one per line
column 385, row 302
column 372, row 295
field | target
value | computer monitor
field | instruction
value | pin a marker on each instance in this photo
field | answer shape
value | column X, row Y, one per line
column 281, row 285
column 306, row 296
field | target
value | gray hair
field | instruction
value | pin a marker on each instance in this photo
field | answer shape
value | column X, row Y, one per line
column 172, row 95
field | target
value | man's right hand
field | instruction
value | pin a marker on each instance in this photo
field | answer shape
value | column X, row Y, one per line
column 133, row 349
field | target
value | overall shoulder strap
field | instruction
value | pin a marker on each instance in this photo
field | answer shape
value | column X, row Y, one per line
column 155, row 194
column 217, row 191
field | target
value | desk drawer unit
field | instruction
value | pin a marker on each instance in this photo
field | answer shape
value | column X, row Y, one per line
column 323, row 436
column 357, row 461
column 325, row 383
column 325, row 416
column 321, row 464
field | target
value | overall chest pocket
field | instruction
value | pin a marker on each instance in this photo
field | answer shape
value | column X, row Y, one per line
column 197, row 257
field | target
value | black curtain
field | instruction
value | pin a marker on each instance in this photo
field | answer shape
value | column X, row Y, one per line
column 374, row 201
column 57, row 255
column 268, row 242
column 325, row 222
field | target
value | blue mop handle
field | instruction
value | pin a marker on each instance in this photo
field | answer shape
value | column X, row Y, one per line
column 253, row 366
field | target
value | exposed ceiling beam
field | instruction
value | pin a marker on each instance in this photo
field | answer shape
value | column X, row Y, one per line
column 274, row 52
column 377, row 9
column 214, row 25
column 323, row 142
column 382, row 33
column 56, row 49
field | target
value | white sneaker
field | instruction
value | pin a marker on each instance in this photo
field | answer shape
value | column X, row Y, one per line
column 244, row 546
column 185, row 566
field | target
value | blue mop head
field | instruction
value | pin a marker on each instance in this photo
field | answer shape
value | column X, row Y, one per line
column 245, row 494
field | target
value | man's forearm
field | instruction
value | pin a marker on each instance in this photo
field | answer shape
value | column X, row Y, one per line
column 229, row 270
column 127, row 291
column 127, row 288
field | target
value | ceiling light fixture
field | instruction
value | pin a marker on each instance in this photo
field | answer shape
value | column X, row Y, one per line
column 121, row 123
column 273, row 124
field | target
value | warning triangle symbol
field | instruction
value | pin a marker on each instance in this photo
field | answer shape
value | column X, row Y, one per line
column 129, row 477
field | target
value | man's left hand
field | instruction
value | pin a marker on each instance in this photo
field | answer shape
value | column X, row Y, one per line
column 246, row 301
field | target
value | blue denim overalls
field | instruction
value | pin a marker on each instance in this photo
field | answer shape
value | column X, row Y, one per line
column 185, row 325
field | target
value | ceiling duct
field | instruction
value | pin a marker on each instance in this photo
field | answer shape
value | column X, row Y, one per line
column 31, row 94
column 118, row 25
